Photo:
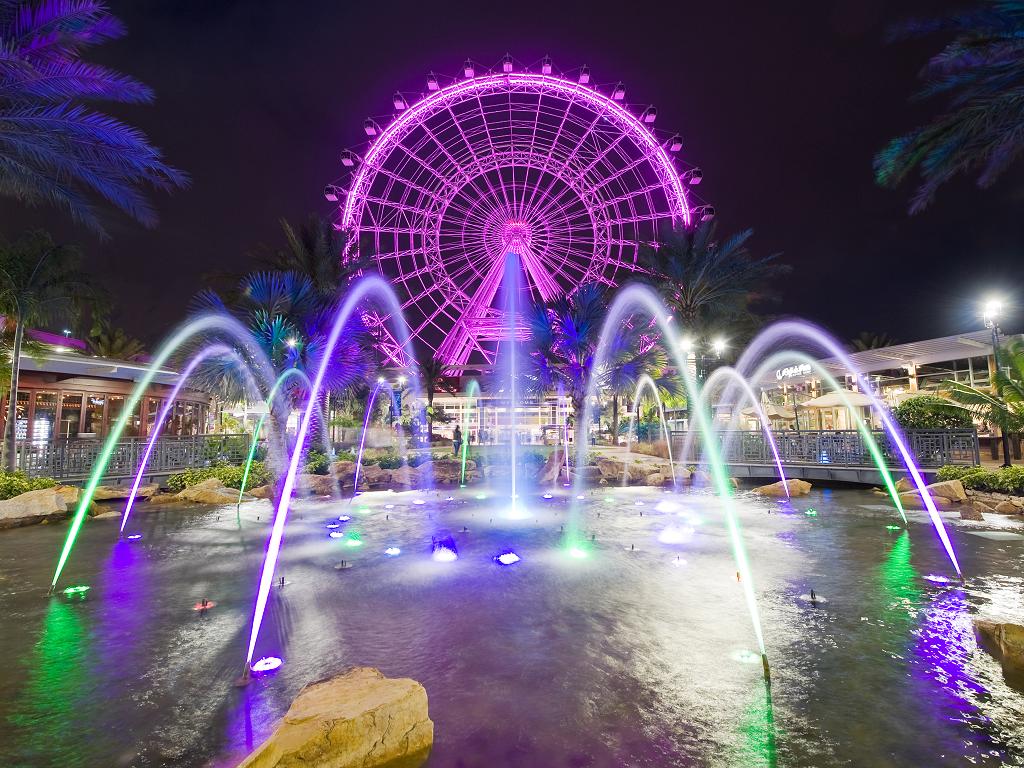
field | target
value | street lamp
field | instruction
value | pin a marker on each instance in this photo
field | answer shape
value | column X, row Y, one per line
column 990, row 316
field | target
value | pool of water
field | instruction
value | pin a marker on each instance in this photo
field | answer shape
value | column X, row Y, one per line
column 640, row 654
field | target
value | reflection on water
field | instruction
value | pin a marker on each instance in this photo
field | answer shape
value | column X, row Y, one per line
column 640, row 654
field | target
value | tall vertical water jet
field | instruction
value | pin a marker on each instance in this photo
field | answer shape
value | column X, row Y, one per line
column 206, row 324
column 472, row 391
column 511, row 285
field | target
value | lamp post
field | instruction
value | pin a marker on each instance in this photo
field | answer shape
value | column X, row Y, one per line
column 990, row 316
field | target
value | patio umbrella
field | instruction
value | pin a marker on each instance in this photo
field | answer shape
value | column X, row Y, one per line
column 833, row 400
column 772, row 411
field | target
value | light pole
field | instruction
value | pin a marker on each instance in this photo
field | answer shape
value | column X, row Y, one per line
column 990, row 316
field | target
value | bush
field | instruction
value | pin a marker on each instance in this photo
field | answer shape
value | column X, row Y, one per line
column 387, row 461
column 17, row 483
column 931, row 412
column 344, row 456
column 1002, row 480
column 317, row 463
column 231, row 476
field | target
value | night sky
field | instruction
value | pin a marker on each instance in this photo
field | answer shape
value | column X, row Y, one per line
column 782, row 105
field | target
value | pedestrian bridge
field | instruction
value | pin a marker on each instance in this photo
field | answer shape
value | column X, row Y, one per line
column 837, row 455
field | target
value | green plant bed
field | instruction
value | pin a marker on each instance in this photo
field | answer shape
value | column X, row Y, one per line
column 1008, row 480
column 16, row 483
column 231, row 476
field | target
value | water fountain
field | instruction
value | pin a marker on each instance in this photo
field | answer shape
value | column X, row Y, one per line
column 646, row 382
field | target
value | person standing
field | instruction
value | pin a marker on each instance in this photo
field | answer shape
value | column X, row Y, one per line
column 457, row 440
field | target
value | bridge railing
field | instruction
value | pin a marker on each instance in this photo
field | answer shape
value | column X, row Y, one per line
column 932, row 448
column 71, row 459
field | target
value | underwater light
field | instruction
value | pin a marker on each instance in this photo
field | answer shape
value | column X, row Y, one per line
column 444, row 555
column 480, row 496
column 418, row 501
column 667, row 506
column 746, row 657
column 135, row 537
column 936, row 579
column 449, row 498
column 548, row 496
column 580, row 497
column 266, row 664
column 893, row 528
column 76, row 591
column 336, row 534
column 364, row 510
column 333, row 525
column 392, row 551
column 344, row 518
column 638, row 503
column 353, row 541
column 389, row 506
column 609, row 500
column 507, row 558
column 674, row 535
column 811, row 512
column 578, row 553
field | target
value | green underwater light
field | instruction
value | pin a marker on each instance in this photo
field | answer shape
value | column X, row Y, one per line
column 76, row 591
column 812, row 512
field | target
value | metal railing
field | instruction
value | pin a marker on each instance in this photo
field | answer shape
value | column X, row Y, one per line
column 931, row 448
column 70, row 459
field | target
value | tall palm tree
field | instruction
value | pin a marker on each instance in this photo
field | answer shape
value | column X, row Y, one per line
column 1001, row 404
column 40, row 282
column 432, row 371
column 54, row 147
column 115, row 344
column 564, row 335
column 709, row 284
column 981, row 75
column 866, row 340
column 317, row 250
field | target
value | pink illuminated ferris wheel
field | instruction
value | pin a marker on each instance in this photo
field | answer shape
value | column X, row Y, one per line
column 551, row 168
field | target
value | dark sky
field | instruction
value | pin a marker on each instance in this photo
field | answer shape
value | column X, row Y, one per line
column 781, row 104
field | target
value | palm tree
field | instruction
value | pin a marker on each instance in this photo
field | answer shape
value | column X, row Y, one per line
column 55, row 148
column 115, row 344
column 1003, row 403
column 40, row 282
column 866, row 340
column 564, row 335
column 433, row 372
column 709, row 284
column 981, row 74
column 317, row 250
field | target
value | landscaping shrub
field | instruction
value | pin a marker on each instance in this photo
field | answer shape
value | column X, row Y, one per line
column 344, row 456
column 16, row 483
column 956, row 472
column 231, row 476
column 317, row 463
column 1003, row 480
column 931, row 412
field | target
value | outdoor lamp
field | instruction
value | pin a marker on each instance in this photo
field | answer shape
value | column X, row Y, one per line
column 718, row 345
column 990, row 312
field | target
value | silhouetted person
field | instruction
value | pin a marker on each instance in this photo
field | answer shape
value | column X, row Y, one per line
column 457, row 440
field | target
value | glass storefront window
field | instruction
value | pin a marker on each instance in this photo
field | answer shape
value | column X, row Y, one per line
column 152, row 407
column 94, row 414
column 45, row 417
column 21, row 417
column 70, row 414
column 188, row 425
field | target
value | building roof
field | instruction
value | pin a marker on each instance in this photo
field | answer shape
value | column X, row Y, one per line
column 64, row 361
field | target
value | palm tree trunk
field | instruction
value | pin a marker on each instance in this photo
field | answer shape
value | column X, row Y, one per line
column 430, row 414
column 10, row 433
column 580, row 429
column 615, row 419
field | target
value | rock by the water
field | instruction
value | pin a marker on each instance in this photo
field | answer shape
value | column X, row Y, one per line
column 209, row 491
column 164, row 498
column 34, row 507
column 359, row 719
column 778, row 490
column 948, row 489
column 1006, row 643
column 316, row 485
column 552, row 468
column 405, row 477
column 913, row 500
column 117, row 492
column 699, row 478
column 971, row 511
column 904, row 484
column 372, row 475
column 448, row 470
column 262, row 492
column 1007, row 508
column 345, row 471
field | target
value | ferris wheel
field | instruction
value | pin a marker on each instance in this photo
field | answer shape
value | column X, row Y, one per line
column 552, row 168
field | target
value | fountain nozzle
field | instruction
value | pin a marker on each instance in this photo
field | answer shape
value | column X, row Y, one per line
column 767, row 669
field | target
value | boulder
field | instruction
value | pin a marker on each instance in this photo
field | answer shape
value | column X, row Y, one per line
column 447, row 470
column 611, row 469
column 1006, row 508
column 165, row 498
column 971, row 511
column 588, row 474
column 778, row 490
column 948, row 489
column 701, row 479
column 116, row 492
column 372, row 475
column 552, row 468
column 262, row 492
column 406, row 477
column 316, row 485
column 359, row 719
column 209, row 491
column 904, row 484
column 657, row 478
column 1006, row 643
column 913, row 500
column 34, row 507
column 345, row 471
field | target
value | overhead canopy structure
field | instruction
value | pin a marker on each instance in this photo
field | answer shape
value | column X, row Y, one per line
column 772, row 411
column 839, row 400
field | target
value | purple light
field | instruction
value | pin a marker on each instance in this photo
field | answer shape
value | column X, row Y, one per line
column 936, row 579
column 344, row 518
column 266, row 664
column 444, row 550
column 336, row 535
column 507, row 558
column 392, row 551
column 134, row 537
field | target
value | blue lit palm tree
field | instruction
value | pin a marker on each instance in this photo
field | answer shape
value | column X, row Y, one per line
column 981, row 73
column 54, row 147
